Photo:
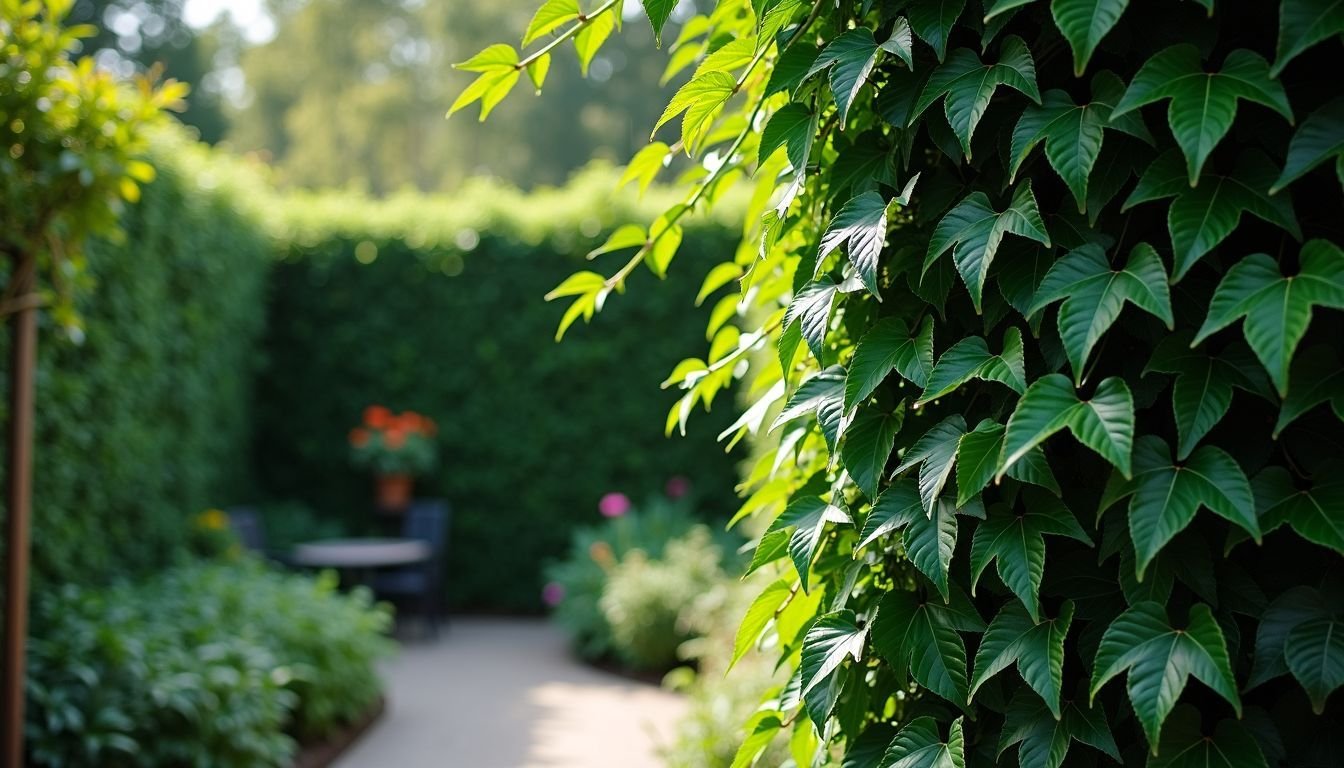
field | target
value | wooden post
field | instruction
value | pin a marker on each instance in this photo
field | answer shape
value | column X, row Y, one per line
column 18, row 502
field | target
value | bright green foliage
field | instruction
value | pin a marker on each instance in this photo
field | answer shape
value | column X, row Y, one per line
column 149, row 418
column 140, row 674
column 1220, row 442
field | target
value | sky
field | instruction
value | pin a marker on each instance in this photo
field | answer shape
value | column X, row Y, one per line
column 248, row 15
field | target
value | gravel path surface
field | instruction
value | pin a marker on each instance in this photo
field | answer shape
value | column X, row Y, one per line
column 505, row 693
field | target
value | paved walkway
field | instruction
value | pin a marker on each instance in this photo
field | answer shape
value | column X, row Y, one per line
column 505, row 693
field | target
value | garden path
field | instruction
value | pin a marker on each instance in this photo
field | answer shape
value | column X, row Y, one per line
column 506, row 693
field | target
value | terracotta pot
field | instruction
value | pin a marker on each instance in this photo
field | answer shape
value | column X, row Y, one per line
column 393, row 491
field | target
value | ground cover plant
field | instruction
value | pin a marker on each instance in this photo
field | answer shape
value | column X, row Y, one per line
column 1054, row 421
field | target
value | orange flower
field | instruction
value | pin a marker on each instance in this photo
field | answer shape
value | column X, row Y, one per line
column 410, row 421
column 377, row 417
column 431, row 428
column 394, row 438
column 359, row 437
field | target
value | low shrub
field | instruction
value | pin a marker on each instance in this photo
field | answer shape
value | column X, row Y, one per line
column 644, row 598
column 619, row 592
column 206, row 664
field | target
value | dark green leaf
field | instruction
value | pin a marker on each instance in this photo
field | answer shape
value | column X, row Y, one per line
column 811, row 310
column 867, row 446
column 1320, row 138
column 1084, row 23
column 922, row 637
column 1045, row 738
column 1314, row 651
column 934, row 454
column 888, row 346
column 832, row 639
column 807, row 516
column 1304, row 23
column 1160, row 659
column 918, row 745
column 862, row 222
column 1185, row 745
column 1015, row 542
column 1203, row 104
column 973, row 230
column 1104, row 423
column 1094, row 295
column 1277, row 309
column 658, row 12
column 970, row 358
column 1038, row 649
column 969, row 85
column 933, row 20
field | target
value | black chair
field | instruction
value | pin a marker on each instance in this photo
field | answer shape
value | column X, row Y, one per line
column 247, row 526
column 428, row 521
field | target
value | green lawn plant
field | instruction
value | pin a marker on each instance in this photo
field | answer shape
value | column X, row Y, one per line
column 1036, row 317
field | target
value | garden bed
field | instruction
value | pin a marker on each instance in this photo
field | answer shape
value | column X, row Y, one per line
column 320, row 754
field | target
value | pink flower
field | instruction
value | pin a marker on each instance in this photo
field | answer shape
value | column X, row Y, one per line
column 552, row 593
column 677, row 486
column 614, row 504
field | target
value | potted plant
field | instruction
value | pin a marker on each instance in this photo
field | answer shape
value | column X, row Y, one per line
column 396, row 447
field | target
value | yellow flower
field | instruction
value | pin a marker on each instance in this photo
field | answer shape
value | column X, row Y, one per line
column 213, row 519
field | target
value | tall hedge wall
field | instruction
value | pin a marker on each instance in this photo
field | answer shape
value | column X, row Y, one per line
column 145, row 420
column 407, row 303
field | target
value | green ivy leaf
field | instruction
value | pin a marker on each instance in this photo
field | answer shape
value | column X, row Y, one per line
column 850, row 58
column 1015, row 542
column 1312, row 512
column 886, row 347
column 1185, row 745
column 1314, row 651
column 970, row 358
column 1160, row 659
column 807, row 516
column 791, row 68
column 811, row 310
column 1038, row 649
column 1304, row 23
column 793, row 127
column 1165, row 496
column 866, row 751
column 921, row 636
column 1084, row 23
column 1072, row 133
column 935, row 453
column 919, row 745
column 658, row 11
column 1202, row 392
column 1045, row 737
column 969, row 85
column 1094, row 295
column 862, row 223
column 832, row 639
column 549, row 17
column 978, row 454
column 1295, row 607
column 973, row 231
column 498, row 68
column 1202, row 217
column 928, row 538
column 1203, row 104
column 1320, row 138
column 1320, row 378
column 762, row 610
column 589, row 40
column 933, row 20
column 700, row 99
column 1104, row 423
column 1277, row 309
column 868, row 444
column 761, row 729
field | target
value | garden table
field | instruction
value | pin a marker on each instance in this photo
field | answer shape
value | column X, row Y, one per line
column 361, row 555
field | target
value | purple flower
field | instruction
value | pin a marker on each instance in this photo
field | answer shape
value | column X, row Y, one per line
column 552, row 593
column 677, row 486
column 614, row 504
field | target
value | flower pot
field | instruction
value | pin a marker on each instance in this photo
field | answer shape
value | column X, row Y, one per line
column 393, row 491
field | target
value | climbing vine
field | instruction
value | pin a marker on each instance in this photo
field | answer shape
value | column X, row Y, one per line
column 1036, row 309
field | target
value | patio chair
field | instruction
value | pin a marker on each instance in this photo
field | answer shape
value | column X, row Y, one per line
column 247, row 526
column 422, row 583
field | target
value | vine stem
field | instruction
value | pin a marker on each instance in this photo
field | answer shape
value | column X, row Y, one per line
column 583, row 21
column 617, row 279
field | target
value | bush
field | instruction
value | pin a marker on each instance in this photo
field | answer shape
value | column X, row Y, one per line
column 203, row 665
column 403, row 302
column 149, row 413
column 645, row 597
column 576, row 583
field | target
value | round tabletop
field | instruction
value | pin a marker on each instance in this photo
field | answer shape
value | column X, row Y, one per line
column 361, row 553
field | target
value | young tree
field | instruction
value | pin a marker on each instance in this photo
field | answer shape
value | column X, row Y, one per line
column 71, row 137
column 1057, row 402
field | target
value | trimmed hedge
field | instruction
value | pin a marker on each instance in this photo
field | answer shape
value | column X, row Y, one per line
column 145, row 420
column 531, row 433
